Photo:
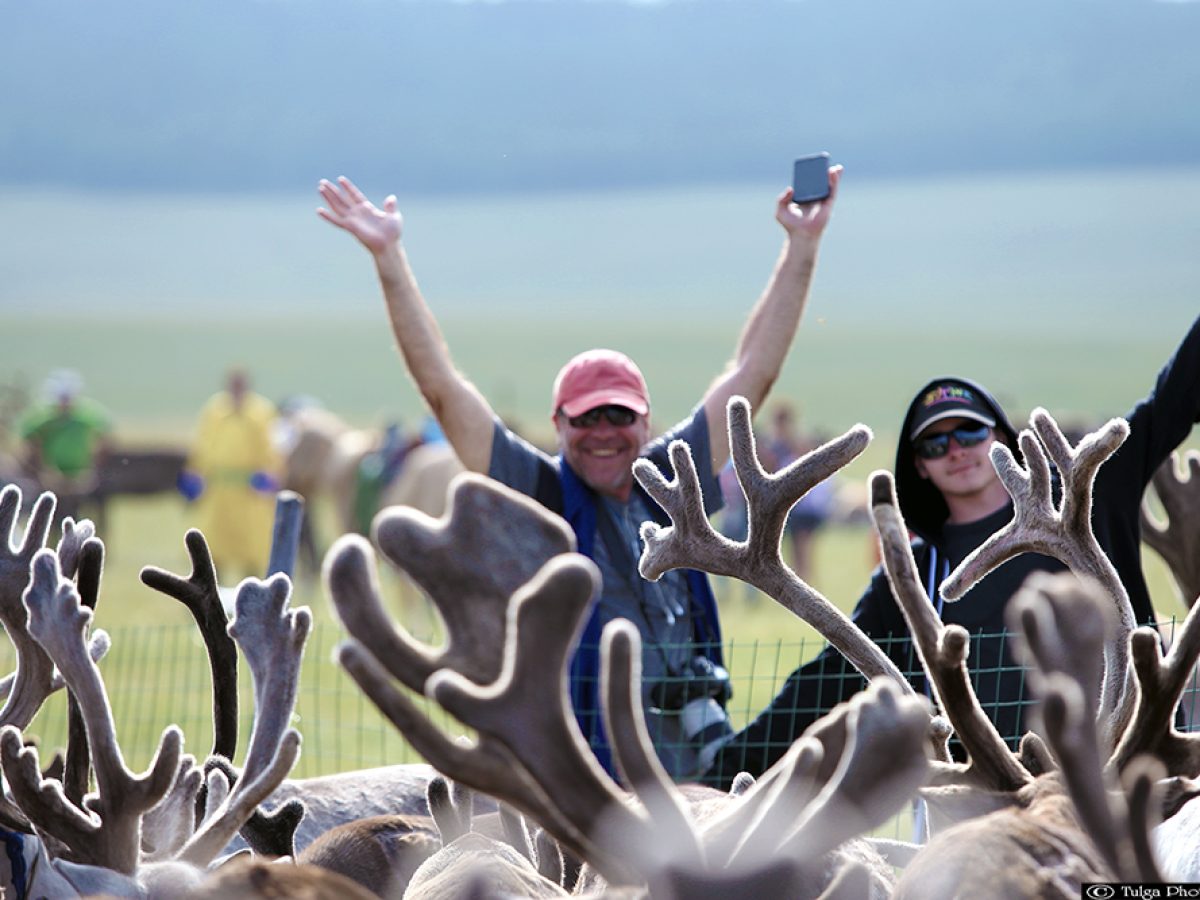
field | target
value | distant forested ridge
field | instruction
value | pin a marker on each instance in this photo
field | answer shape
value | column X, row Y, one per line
column 485, row 97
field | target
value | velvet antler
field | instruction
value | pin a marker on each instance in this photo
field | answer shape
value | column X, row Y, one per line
column 471, row 596
column 691, row 542
column 106, row 831
column 1064, row 532
column 942, row 650
column 198, row 592
column 272, row 637
column 32, row 684
column 1178, row 540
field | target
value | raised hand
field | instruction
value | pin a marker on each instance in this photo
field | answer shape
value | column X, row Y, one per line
column 376, row 229
column 808, row 219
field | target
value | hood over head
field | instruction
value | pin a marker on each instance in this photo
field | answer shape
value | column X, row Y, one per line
column 921, row 503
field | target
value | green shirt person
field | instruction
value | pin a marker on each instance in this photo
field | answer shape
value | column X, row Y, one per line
column 66, row 432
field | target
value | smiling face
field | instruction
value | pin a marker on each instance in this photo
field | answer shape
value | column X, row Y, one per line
column 602, row 454
column 964, row 475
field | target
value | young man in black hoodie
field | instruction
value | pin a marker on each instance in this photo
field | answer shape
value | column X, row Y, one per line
column 953, row 500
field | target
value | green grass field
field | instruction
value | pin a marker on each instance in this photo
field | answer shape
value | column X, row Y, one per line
column 154, row 373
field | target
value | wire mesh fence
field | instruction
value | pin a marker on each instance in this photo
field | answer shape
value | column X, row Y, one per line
column 158, row 676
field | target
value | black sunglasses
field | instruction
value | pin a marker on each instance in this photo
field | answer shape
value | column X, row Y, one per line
column 617, row 416
column 937, row 445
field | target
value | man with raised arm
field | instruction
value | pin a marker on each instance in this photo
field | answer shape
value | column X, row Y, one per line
column 953, row 500
column 601, row 413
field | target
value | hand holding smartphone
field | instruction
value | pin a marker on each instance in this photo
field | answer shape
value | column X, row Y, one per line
column 810, row 178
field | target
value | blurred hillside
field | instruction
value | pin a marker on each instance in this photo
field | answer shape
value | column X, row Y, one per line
column 482, row 97
column 1020, row 196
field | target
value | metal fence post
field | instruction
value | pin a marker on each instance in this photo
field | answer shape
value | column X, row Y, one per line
column 285, row 538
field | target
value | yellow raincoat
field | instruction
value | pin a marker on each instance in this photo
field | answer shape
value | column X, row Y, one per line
column 231, row 446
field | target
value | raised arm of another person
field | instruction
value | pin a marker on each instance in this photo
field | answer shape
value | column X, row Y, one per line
column 461, row 410
column 771, row 326
column 1158, row 424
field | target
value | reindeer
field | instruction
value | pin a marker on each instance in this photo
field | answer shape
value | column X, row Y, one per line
column 134, row 834
column 500, row 853
column 323, row 457
column 35, row 678
column 792, row 832
column 1130, row 709
column 472, row 603
column 531, row 754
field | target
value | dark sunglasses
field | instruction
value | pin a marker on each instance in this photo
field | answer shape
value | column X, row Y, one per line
column 617, row 416
column 937, row 445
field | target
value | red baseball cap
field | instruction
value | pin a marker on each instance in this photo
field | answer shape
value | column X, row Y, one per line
column 599, row 378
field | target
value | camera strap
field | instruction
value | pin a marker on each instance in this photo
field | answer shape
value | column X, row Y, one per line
column 624, row 561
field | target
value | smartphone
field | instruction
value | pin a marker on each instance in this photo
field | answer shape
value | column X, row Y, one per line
column 810, row 178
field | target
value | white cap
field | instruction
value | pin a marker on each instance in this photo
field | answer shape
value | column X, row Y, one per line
column 62, row 384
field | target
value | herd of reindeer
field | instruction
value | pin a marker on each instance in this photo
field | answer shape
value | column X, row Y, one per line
column 1102, row 790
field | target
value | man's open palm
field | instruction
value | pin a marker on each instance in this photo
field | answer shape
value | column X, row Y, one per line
column 347, row 207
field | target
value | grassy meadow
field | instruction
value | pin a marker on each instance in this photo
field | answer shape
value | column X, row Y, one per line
column 1025, row 284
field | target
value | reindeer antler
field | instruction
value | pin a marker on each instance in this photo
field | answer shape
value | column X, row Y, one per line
column 108, row 832
column 942, row 650
column 1141, row 782
column 484, row 763
column 272, row 637
column 1178, row 541
column 75, row 536
column 198, row 592
column 1061, row 622
column 468, row 567
column 625, row 723
column 690, row 541
column 531, row 754
column 32, row 683
column 881, row 764
column 166, row 827
column 77, row 764
column 767, row 808
column 240, row 804
column 1037, row 526
column 1160, row 683
column 1064, row 533
column 851, row 771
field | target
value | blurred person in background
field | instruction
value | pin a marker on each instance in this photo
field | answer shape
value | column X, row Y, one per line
column 232, row 474
column 378, row 469
column 733, row 521
column 66, row 438
column 600, row 410
column 785, row 445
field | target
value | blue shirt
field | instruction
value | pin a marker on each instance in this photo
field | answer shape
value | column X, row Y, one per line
column 664, row 612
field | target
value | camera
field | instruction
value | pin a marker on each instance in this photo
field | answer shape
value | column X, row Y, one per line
column 700, row 679
column 698, row 695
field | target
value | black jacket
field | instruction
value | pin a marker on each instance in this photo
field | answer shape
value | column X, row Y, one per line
column 1158, row 424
